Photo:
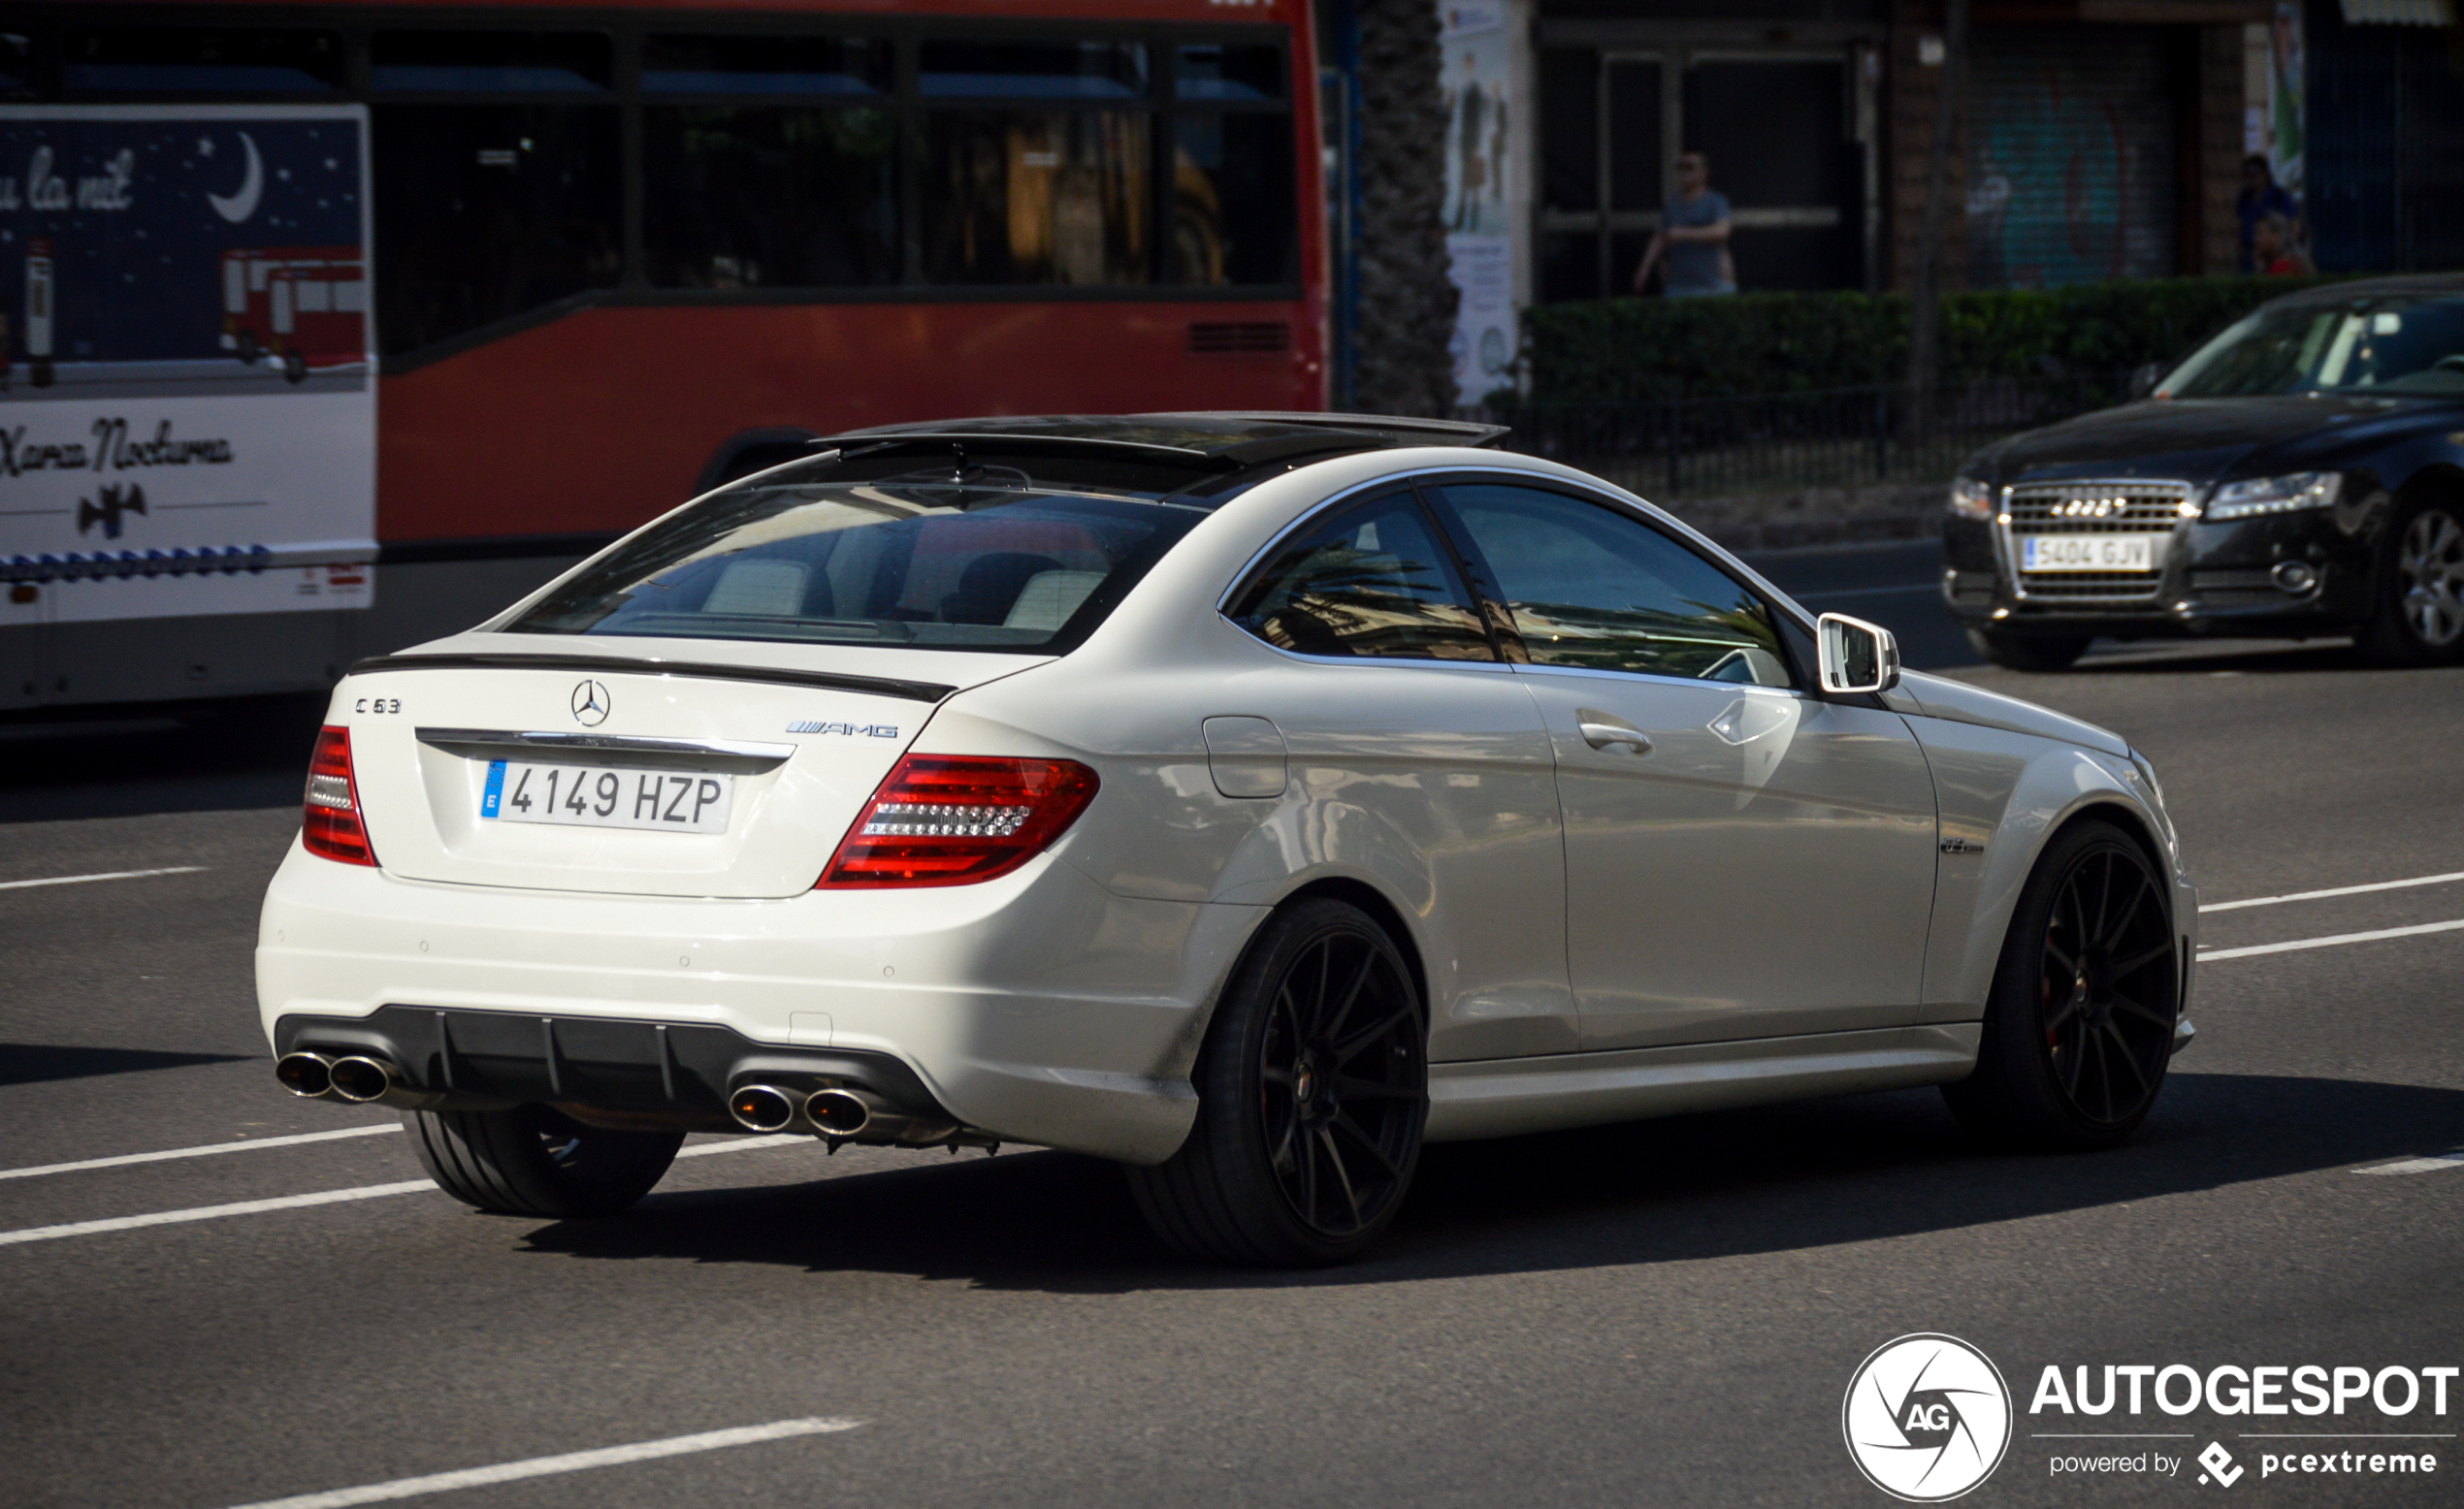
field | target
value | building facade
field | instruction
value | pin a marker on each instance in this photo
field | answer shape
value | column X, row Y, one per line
column 2094, row 139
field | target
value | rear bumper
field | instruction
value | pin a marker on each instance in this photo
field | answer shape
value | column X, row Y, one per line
column 1039, row 1007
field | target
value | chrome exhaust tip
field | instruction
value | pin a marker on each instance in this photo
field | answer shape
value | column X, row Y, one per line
column 308, row 1075
column 761, row 1108
column 361, row 1079
column 838, row 1113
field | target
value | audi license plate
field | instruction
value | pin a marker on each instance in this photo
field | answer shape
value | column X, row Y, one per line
column 2086, row 552
column 594, row 796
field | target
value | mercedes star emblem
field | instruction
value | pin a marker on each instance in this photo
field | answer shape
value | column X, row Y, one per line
column 591, row 703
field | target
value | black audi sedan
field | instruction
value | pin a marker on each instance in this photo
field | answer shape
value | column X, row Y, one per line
column 2300, row 476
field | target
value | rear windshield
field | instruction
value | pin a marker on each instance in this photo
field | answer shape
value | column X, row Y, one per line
column 956, row 554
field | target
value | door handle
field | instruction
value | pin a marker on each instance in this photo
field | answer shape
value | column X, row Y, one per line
column 1605, row 735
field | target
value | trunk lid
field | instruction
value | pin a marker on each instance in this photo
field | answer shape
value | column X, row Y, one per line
column 800, row 749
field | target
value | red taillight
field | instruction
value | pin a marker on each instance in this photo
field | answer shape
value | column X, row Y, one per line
column 946, row 819
column 328, row 817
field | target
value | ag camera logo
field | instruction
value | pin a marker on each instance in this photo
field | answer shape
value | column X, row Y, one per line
column 1927, row 1418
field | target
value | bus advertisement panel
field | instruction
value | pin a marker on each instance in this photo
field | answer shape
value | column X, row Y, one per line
column 188, row 423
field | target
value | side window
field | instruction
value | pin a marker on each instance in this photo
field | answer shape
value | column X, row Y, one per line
column 1374, row 581
column 1592, row 588
column 489, row 209
column 769, row 162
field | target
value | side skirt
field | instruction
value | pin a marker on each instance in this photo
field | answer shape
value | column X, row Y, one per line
column 1511, row 1096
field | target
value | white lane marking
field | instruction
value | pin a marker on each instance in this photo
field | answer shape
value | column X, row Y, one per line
column 2330, row 942
column 549, row 1466
column 2341, row 891
column 207, row 1151
column 2430, row 1165
column 108, row 874
column 130, row 1223
column 327, row 1196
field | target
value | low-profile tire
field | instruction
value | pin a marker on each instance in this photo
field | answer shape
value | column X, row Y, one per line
column 2028, row 652
column 536, row 1161
column 2078, row 1028
column 2416, row 617
column 1312, row 1093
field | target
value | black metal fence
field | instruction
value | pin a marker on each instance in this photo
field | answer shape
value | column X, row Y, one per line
column 1782, row 442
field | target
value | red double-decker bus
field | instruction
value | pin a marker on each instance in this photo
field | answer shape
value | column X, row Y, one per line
column 461, row 292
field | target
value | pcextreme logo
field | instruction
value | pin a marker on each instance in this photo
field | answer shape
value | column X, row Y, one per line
column 1927, row 1418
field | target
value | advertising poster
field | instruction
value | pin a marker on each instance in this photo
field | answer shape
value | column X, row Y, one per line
column 1483, row 163
column 2284, row 124
column 188, row 412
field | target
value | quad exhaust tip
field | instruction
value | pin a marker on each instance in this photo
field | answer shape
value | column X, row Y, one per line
column 360, row 1078
column 838, row 1113
column 308, row 1075
column 762, row 1108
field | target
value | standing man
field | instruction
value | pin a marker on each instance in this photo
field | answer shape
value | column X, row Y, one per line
column 1694, row 235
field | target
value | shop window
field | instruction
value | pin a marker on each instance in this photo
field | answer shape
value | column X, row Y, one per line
column 949, row 68
column 490, row 62
column 486, row 213
column 1037, row 197
column 769, row 197
column 200, row 60
column 1232, row 199
column 1570, row 128
column 1226, row 72
column 765, row 65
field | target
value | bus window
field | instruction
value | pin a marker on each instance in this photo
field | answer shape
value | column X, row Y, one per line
column 489, row 62
column 1248, row 74
column 1037, row 197
column 952, row 68
column 486, row 211
column 16, row 63
column 1232, row 216
column 200, row 60
column 769, row 197
column 737, row 65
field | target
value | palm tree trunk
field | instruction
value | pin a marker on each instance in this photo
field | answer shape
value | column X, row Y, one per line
column 1406, row 301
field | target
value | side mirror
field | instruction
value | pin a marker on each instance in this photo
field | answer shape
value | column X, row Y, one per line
column 1856, row 656
column 2145, row 377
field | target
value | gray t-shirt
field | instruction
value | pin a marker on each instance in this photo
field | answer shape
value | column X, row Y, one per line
column 1694, row 267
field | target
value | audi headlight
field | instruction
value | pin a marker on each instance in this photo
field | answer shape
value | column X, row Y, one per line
column 2275, row 495
column 1972, row 499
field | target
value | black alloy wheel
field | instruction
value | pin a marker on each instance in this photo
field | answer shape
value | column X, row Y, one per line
column 2079, row 1030
column 536, row 1161
column 1312, row 1092
column 2420, row 616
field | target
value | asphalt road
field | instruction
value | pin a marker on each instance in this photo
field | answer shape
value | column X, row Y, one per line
column 1662, row 1313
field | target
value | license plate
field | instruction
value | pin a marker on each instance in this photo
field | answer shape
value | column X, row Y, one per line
column 594, row 797
column 2086, row 552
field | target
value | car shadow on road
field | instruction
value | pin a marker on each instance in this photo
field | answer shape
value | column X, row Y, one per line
column 218, row 756
column 2256, row 658
column 1783, row 1178
column 34, row 1063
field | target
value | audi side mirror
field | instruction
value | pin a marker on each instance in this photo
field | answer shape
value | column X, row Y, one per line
column 1856, row 656
column 2145, row 377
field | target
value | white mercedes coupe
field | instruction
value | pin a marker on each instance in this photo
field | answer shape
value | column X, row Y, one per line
column 1247, row 798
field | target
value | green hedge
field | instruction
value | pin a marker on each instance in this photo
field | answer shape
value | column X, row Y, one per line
column 1623, row 350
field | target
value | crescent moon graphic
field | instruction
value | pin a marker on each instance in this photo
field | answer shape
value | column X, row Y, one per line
column 238, row 206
